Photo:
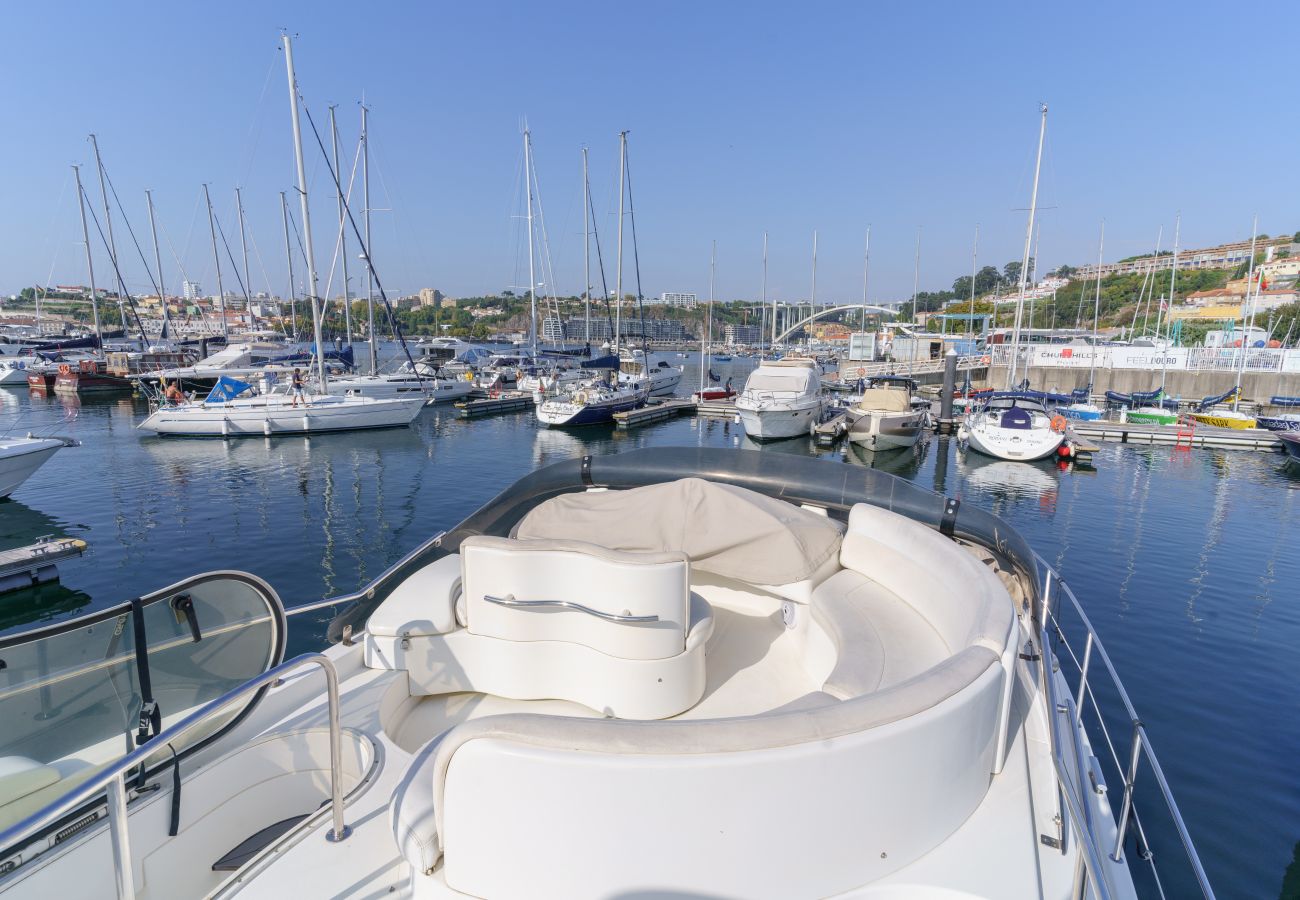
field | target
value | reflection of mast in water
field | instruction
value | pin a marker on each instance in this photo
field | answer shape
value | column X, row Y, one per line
column 1269, row 574
column 1135, row 542
column 940, row 463
column 1212, row 534
column 327, row 526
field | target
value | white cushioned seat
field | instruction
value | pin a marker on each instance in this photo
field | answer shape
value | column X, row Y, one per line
column 618, row 632
column 411, row 811
column 424, row 603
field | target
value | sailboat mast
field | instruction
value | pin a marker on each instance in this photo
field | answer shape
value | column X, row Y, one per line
column 532, row 277
column 243, row 248
column 157, row 257
column 974, row 261
column 90, row 263
column 1024, row 266
column 306, row 214
column 773, row 344
column 866, row 273
column 812, row 300
column 288, row 254
column 343, row 235
column 618, row 274
column 1096, row 304
column 707, row 340
column 370, row 275
column 216, row 259
column 586, row 247
column 112, row 245
column 1250, row 278
column 1173, row 273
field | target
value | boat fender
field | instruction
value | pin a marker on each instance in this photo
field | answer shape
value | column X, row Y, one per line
column 984, row 360
column 1065, row 451
column 1059, row 424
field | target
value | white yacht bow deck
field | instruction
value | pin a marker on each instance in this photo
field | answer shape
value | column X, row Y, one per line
column 672, row 672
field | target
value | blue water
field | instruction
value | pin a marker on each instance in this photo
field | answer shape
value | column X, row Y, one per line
column 1188, row 562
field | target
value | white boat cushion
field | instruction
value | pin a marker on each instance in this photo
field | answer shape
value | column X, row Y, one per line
column 723, row 529
column 411, row 811
column 607, row 582
column 963, row 601
column 424, row 603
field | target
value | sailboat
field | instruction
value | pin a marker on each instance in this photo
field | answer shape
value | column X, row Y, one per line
column 591, row 402
column 234, row 409
column 1016, row 425
column 1233, row 418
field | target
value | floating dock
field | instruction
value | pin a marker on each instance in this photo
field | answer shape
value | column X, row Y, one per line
column 509, row 401
column 829, row 432
column 716, row 408
column 1182, row 435
column 653, row 412
column 23, row 567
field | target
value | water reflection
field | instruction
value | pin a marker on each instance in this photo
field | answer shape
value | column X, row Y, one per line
column 902, row 461
column 41, row 603
column 1002, row 479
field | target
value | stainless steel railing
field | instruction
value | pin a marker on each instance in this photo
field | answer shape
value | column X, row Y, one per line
column 1076, row 771
column 112, row 780
column 367, row 592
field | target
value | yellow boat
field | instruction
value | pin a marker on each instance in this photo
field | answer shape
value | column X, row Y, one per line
column 1224, row 419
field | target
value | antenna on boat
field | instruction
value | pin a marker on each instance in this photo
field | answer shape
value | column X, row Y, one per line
column 1024, row 266
column 90, row 263
column 306, row 214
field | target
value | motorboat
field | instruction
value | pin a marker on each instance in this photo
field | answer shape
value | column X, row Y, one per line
column 622, row 677
column 13, row 371
column 659, row 378
column 885, row 416
column 593, row 402
column 233, row 409
column 1013, row 426
column 20, row 457
column 781, row 399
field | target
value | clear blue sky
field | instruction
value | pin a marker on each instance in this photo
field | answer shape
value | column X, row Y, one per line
column 743, row 118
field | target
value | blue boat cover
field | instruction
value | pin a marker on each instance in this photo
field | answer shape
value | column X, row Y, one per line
column 1015, row 417
column 227, row 388
column 1285, row 401
column 609, row 361
column 1214, row 401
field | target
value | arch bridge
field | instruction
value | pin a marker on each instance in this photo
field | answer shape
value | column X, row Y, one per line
column 826, row 311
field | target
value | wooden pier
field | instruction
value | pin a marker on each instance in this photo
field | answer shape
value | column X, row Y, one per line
column 653, row 412
column 1200, row 436
column 829, row 432
column 23, row 567
column 509, row 401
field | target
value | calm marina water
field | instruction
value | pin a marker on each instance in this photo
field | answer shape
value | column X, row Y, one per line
column 1187, row 562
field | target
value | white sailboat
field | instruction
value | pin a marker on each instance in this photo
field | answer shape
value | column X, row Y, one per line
column 226, row 412
column 1011, row 426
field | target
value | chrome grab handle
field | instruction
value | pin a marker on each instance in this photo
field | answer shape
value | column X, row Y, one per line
column 511, row 602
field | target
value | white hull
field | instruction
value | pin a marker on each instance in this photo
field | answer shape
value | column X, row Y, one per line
column 878, row 430
column 13, row 372
column 1012, row 443
column 388, row 387
column 275, row 414
column 777, row 421
column 20, row 458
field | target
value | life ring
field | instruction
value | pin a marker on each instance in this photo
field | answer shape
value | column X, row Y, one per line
column 861, row 371
column 65, row 369
column 984, row 360
column 1059, row 424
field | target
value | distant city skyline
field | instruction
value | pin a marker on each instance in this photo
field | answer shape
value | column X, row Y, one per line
column 777, row 120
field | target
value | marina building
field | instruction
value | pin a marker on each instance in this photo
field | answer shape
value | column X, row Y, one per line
column 655, row 329
column 552, row 329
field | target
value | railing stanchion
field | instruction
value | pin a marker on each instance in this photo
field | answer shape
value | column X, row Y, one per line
column 1127, row 805
column 340, row 831
column 117, row 827
column 1083, row 679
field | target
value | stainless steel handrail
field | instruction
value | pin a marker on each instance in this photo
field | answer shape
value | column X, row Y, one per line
column 509, row 601
column 113, row 778
column 367, row 592
column 1141, row 741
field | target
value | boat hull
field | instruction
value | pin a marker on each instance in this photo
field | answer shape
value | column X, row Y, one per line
column 1082, row 412
column 275, row 415
column 1291, row 445
column 561, row 414
column 90, row 383
column 1224, row 420
column 776, row 423
column 878, row 430
column 13, row 374
column 1289, row 422
column 382, row 387
column 1023, row 444
column 1152, row 417
column 20, row 460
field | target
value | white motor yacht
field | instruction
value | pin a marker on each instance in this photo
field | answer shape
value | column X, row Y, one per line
column 13, row 371
column 659, row 378
column 671, row 672
column 1015, row 427
column 20, row 457
column 781, row 399
column 885, row 416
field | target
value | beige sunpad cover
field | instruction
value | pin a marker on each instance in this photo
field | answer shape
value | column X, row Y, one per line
column 885, row 400
column 723, row 529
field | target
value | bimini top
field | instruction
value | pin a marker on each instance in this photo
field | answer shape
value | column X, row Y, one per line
column 723, row 529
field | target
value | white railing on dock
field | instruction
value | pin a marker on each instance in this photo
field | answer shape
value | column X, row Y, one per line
column 1182, row 359
column 1075, row 770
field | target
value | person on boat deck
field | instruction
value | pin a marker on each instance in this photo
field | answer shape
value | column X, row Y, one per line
column 296, row 388
column 174, row 394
